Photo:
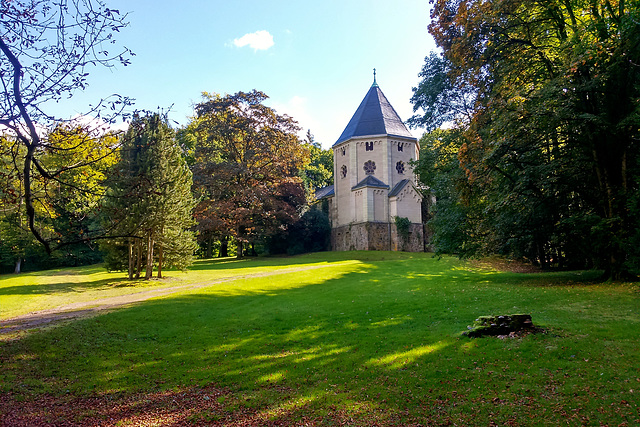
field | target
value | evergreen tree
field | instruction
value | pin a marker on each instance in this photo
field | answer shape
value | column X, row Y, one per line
column 149, row 203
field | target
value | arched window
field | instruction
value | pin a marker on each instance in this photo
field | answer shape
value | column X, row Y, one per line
column 369, row 167
column 400, row 146
column 368, row 146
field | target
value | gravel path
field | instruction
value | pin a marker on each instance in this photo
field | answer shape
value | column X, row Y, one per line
column 40, row 318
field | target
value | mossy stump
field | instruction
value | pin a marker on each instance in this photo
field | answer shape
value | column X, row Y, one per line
column 500, row 325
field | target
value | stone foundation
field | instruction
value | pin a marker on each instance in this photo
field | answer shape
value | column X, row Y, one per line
column 376, row 236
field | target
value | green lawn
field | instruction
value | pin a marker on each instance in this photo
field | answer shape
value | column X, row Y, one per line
column 370, row 337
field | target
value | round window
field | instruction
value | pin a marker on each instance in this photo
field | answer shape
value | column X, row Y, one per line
column 369, row 167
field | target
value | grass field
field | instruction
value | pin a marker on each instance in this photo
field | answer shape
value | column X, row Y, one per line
column 359, row 338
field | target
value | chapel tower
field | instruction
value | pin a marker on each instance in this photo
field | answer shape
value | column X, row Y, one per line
column 373, row 181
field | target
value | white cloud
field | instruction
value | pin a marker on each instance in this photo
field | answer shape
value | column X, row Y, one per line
column 260, row 40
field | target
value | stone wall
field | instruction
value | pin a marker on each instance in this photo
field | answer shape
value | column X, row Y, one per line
column 376, row 236
column 385, row 153
column 414, row 242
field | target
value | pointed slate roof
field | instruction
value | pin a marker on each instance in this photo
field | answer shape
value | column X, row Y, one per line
column 374, row 116
column 370, row 181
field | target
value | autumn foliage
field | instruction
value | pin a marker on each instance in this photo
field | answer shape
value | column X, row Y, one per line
column 246, row 163
column 546, row 97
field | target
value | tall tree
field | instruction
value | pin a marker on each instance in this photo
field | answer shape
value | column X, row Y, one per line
column 456, row 220
column 318, row 172
column 552, row 135
column 13, row 239
column 75, row 195
column 65, row 206
column 247, row 162
column 149, row 204
column 46, row 50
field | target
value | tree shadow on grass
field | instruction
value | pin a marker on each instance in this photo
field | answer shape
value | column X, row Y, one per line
column 553, row 279
column 300, row 349
column 219, row 264
column 376, row 346
column 309, row 258
column 193, row 406
column 70, row 271
column 80, row 286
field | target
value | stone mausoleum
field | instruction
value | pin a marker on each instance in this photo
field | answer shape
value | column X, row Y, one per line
column 373, row 182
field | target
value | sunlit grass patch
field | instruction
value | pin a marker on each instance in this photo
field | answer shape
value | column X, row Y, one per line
column 403, row 358
column 360, row 338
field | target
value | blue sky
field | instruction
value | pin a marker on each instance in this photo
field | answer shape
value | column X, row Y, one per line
column 313, row 59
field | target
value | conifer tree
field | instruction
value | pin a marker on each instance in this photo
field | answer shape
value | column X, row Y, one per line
column 149, row 204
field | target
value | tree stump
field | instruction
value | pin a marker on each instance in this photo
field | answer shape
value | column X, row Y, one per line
column 500, row 325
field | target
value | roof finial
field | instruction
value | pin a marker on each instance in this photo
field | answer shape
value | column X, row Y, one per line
column 375, row 84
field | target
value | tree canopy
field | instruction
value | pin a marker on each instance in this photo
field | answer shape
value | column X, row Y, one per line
column 148, row 207
column 318, row 172
column 546, row 97
column 47, row 49
column 60, row 174
column 246, row 167
column 65, row 207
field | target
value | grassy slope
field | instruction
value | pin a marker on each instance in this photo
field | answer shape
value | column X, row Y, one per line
column 30, row 292
column 373, row 334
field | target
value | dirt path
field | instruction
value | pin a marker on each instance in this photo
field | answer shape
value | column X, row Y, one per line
column 40, row 318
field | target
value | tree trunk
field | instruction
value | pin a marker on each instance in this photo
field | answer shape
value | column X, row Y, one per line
column 149, row 273
column 224, row 247
column 239, row 253
column 160, row 261
column 611, row 173
column 32, row 145
column 208, row 252
column 17, row 270
column 138, row 257
column 542, row 255
column 131, row 263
